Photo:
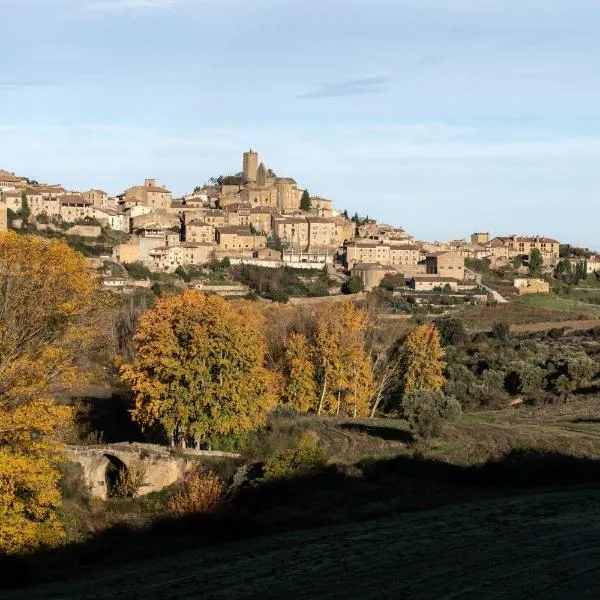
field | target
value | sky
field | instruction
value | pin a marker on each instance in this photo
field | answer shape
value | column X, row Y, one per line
column 441, row 116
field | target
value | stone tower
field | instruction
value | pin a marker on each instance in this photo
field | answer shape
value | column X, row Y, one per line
column 250, row 166
column 261, row 175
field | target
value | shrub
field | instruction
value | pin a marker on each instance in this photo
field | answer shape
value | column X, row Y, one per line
column 130, row 481
column 307, row 456
column 285, row 411
column 353, row 286
column 201, row 492
column 452, row 331
column 501, row 331
column 427, row 412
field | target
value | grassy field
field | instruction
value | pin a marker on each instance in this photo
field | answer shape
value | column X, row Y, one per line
column 483, row 318
column 502, row 505
column 559, row 303
column 529, row 546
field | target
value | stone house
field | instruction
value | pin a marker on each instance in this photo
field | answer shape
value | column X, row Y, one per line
column 74, row 207
column 293, row 231
column 98, row 198
column 428, row 283
column 515, row 245
column 238, row 239
column 445, row 264
column 199, row 231
column 126, row 253
column 402, row 255
column 148, row 194
column 10, row 181
column 367, row 251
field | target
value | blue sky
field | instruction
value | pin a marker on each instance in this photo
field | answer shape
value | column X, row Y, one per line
column 442, row 116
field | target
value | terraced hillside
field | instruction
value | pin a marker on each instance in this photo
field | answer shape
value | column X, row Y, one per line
column 532, row 546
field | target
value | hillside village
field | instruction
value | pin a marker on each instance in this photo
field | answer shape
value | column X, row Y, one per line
column 258, row 218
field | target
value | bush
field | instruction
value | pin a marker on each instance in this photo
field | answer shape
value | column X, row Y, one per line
column 130, row 481
column 427, row 412
column 353, row 286
column 201, row 492
column 307, row 456
column 452, row 331
column 138, row 271
column 285, row 411
column 501, row 331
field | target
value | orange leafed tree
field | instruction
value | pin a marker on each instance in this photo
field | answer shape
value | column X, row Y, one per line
column 46, row 294
column 199, row 368
column 423, row 360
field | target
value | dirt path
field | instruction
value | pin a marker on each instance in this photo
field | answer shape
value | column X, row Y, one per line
column 544, row 546
column 534, row 327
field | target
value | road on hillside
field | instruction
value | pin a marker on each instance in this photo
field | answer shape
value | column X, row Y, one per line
column 544, row 546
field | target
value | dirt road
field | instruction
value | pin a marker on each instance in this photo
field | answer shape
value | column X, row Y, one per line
column 534, row 546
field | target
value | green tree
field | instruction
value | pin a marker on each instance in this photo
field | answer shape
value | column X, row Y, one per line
column 535, row 262
column 25, row 211
column 353, row 286
column 305, row 203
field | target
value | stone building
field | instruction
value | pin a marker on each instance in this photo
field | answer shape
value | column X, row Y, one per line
column 371, row 273
column 238, row 239
column 199, row 231
column 292, row 231
column 428, row 283
column 98, row 198
column 148, row 194
column 445, row 264
column 514, row 245
column 481, row 237
column 74, row 207
column 170, row 257
column 10, row 181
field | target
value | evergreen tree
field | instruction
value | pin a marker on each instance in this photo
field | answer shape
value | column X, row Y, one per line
column 305, row 201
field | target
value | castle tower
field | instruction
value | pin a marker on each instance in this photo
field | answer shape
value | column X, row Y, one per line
column 250, row 166
column 261, row 175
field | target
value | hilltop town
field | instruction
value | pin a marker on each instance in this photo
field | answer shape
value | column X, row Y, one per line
column 258, row 218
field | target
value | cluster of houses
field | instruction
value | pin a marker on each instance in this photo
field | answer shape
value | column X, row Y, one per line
column 259, row 218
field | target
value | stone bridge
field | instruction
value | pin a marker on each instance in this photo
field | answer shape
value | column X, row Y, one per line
column 161, row 467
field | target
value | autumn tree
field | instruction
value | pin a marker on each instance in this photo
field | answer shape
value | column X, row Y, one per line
column 46, row 295
column 300, row 388
column 344, row 367
column 423, row 360
column 199, row 368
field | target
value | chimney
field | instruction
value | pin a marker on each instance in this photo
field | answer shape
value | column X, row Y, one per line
column 150, row 183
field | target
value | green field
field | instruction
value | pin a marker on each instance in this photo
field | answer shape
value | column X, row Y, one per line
column 560, row 303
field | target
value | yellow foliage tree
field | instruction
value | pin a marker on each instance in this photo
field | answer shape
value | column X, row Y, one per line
column 46, row 294
column 423, row 360
column 344, row 366
column 300, row 389
column 199, row 368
